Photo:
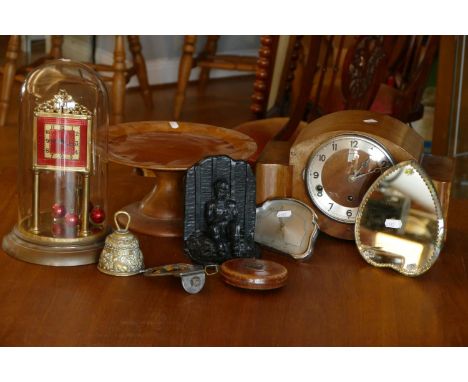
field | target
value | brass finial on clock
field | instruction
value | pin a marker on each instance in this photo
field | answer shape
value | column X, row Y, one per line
column 62, row 103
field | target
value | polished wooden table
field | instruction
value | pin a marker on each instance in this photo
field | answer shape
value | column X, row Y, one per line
column 334, row 298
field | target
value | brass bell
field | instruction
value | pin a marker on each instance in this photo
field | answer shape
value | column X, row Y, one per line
column 121, row 255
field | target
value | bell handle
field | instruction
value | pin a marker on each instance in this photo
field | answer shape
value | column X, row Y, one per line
column 117, row 223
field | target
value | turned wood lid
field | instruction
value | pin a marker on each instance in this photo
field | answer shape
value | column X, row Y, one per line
column 254, row 274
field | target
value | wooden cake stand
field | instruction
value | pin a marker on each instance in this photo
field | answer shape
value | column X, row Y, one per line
column 164, row 150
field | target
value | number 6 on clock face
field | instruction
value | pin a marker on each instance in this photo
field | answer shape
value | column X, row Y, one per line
column 340, row 171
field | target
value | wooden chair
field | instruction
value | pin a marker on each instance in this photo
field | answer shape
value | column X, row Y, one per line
column 382, row 74
column 283, row 128
column 408, row 72
column 208, row 59
column 350, row 70
column 329, row 78
column 121, row 74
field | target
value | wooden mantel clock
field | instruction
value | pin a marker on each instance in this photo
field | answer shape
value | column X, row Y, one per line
column 332, row 163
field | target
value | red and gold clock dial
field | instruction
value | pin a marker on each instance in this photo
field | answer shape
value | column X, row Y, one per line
column 62, row 143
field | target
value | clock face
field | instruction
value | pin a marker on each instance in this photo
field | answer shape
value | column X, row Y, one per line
column 340, row 171
column 61, row 142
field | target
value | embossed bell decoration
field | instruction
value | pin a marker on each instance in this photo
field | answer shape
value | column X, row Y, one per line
column 121, row 255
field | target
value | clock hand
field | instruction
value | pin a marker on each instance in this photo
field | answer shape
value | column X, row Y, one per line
column 354, row 177
column 356, row 172
column 363, row 165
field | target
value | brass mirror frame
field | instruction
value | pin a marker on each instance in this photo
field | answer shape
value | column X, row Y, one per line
column 439, row 239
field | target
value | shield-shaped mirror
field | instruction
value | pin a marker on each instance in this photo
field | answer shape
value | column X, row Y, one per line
column 400, row 224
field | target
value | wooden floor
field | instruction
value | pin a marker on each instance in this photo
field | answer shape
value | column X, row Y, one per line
column 225, row 102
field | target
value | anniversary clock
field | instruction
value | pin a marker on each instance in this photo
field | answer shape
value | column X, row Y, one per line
column 332, row 163
column 62, row 167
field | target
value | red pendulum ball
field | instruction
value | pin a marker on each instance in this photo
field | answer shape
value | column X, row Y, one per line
column 57, row 230
column 58, row 210
column 97, row 215
column 71, row 219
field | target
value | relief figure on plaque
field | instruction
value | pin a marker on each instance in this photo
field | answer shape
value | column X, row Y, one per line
column 222, row 220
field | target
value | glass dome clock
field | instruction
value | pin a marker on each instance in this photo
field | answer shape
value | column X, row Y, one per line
column 62, row 172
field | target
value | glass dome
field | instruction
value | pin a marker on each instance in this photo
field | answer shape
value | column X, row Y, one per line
column 62, row 177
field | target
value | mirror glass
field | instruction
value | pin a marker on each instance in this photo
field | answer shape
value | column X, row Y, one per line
column 399, row 222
